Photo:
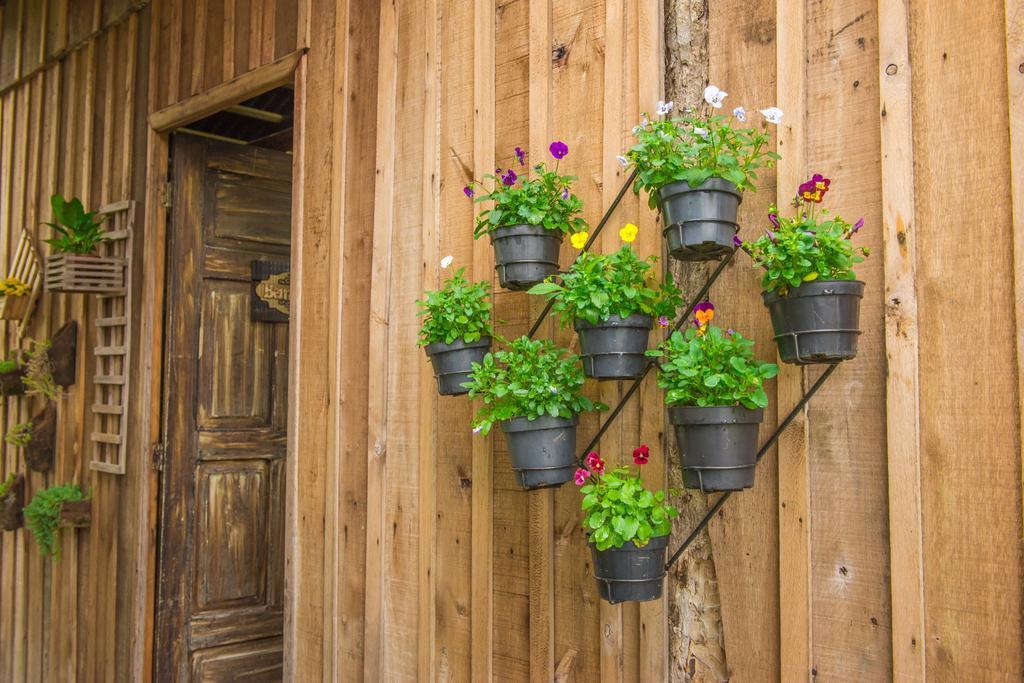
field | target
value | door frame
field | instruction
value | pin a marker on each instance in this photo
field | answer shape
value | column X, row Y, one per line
column 147, row 437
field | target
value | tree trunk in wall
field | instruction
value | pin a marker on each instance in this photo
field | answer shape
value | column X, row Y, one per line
column 695, row 623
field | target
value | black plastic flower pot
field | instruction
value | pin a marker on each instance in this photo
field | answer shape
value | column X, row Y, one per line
column 543, row 451
column 12, row 383
column 717, row 445
column 453, row 363
column 629, row 573
column 817, row 322
column 700, row 222
column 525, row 254
column 614, row 348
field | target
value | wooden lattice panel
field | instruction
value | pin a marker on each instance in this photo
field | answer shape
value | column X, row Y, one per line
column 25, row 267
column 112, row 350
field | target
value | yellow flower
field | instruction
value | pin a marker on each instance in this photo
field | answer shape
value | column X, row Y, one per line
column 579, row 239
column 628, row 232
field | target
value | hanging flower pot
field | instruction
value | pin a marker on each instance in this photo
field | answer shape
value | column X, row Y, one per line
column 615, row 348
column 456, row 331
column 611, row 300
column 63, row 354
column 12, row 376
column 817, row 322
column 543, row 450
column 453, row 363
column 533, row 207
column 41, row 447
column 717, row 445
column 700, row 222
column 525, row 254
column 627, row 526
column 74, row 265
column 12, row 500
column 716, row 399
column 534, row 390
column 630, row 573
column 809, row 284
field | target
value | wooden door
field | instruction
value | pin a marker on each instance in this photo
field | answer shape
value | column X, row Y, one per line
column 221, row 562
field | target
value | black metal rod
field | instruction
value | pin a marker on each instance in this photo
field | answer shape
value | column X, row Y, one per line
column 636, row 383
column 760, row 454
column 590, row 241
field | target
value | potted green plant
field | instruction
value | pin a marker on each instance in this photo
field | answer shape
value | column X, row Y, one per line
column 529, row 218
column 716, row 400
column 52, row 508
column 456, row 329
column 534, row 390
column 612, row 301
column 810, row 289
column 37, row 439
column 628, row 528
column 12, row 375
column 19, row 435
column 12, row 499
column 695, row 168
column 14, row 298
column 74, row 265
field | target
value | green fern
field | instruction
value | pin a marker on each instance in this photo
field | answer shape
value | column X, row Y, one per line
column 43, row 513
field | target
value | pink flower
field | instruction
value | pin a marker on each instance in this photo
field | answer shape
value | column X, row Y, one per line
column 641, row 454
column 580, row 477
column 664, row 321
column 594, row 462
column 774, row 218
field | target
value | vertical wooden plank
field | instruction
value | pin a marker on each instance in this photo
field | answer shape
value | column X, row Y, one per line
column 199, row 24
column 173, row 57
column 650, row 74
column 794, row 474
column 903, row 432
column 483, row 263
column 428, row 402
column 1014, row 12
column 970, row 476
column 541, row 502
column 377, row 570
column 228, row 60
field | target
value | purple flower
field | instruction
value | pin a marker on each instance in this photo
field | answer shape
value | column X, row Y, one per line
column 736, row 241
column 664, row 321
column 509, row 178
column 730, row 331
column 558, row 149
column 521, row 155
column 771, row 235
column 565, row 193
column 774, row 218
column 857, row 226
column 468, row 191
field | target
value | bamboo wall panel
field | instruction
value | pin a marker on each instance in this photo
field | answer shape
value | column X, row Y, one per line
column 70, row 125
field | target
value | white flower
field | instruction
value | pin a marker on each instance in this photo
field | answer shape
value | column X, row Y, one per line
column 476, row 430
column 772, row 115
column 553, row 389
column 447, row 261
column 740, row 113
column 644, row 121
column 714, row 96
column 700, row 131
column 637, row 130
column 664, row 136
column 622, row 160
column 664, row 107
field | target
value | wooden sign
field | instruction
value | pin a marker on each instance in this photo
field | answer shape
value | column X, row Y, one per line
column 271, row 287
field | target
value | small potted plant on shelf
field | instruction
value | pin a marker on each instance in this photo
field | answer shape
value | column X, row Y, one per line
column 12, row 375
column 14, row 298
column 612, row 301
column 628, row 528
column 716, row 400
column 49, row 509
column 456, row 331
column 528, row 219
column 12, row 499
column 695, row 169
column 74, row 265
column 534, row 390
column 810, row 288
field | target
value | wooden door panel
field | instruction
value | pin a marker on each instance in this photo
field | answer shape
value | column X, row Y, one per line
column 220, row 606
column 236, row 365
column 254, row 663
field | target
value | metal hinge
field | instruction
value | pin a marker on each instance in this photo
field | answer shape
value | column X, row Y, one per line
column 159, row 455
column 167, row 194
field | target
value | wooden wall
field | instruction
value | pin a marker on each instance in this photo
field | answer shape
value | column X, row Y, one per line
column 73, row 88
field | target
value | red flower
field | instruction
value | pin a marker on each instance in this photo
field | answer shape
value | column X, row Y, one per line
column 580, row 476
column 814, row 189
column 641, row 454
column 594, row 463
